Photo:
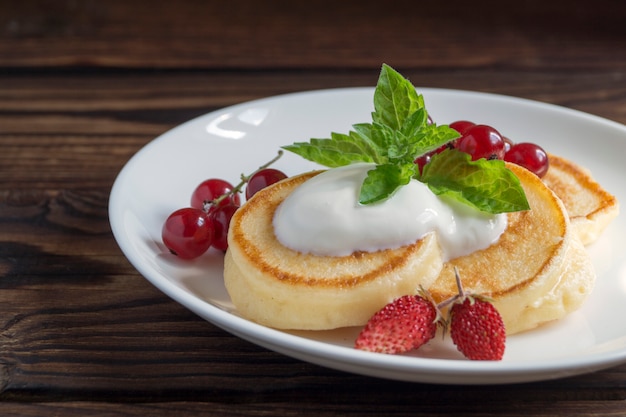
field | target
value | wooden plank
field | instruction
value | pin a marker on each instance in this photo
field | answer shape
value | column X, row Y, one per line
column 93, row 124
column 316, row 34
column 239, row 407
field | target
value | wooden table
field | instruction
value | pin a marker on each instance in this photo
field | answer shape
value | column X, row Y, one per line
column 85, row 84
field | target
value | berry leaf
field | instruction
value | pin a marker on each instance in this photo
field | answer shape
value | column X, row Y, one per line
column 484, row 184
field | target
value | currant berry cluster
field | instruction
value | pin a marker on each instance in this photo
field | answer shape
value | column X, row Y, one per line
column 483, row 141
column 190, row 231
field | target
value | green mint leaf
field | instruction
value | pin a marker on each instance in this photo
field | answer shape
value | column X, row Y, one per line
column 351, row 144
column 400, row 109
column 331, row 158
column 338, row 150
column 395, row 99
column 393, row 148
column 431, row 137
column 414, row 123
column 485, row 185
column 382, row 181
column 400, row 133
column 376, row 143
column 380, row 137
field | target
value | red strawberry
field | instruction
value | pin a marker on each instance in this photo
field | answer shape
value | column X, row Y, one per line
column 477, row 329
column 402, row 325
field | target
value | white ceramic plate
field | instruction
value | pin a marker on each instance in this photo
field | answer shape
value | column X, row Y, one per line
column 237, row 139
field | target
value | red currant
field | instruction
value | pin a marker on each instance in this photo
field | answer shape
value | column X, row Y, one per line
column 221, row 217
column 421, row 161
column 188, row 232
column 507, row 144
column 530, row 156
column 461, row 126
column 262, row 179
column 482, row 141
column 211, row 189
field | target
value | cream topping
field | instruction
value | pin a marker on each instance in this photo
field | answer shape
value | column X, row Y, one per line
column 323, row 217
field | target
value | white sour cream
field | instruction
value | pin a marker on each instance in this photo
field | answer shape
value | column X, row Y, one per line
column 323, row 216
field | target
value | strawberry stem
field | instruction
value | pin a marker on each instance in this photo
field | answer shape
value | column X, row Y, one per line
column 454, row 298
column 459, row 285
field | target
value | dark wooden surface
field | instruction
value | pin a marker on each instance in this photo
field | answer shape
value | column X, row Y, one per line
column 85, row 84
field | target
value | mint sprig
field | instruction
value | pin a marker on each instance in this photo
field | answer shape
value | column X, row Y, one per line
column 482, row 184
column 398, row 134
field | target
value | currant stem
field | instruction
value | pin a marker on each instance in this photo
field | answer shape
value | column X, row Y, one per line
column 244, row 180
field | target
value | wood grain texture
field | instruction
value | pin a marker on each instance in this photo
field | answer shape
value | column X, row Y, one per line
column 313, row 34
column 85, row 84
column 82, row 332
column 77, row 130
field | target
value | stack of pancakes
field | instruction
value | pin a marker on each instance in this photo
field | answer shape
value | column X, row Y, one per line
column 538, row 271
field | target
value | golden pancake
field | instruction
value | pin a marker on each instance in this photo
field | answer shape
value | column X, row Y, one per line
column 538, row 271
column 589, row 206
column 282, row 288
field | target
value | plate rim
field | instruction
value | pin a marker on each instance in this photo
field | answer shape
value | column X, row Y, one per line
column 374, row 364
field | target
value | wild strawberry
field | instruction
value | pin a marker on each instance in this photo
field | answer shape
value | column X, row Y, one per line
column 402, row 325
column 476, row 327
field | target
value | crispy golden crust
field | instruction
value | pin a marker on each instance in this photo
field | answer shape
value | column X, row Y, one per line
column 538, row 253
column 258, row 244
column 538, row 271
column 283, row 288
column 589, row 206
